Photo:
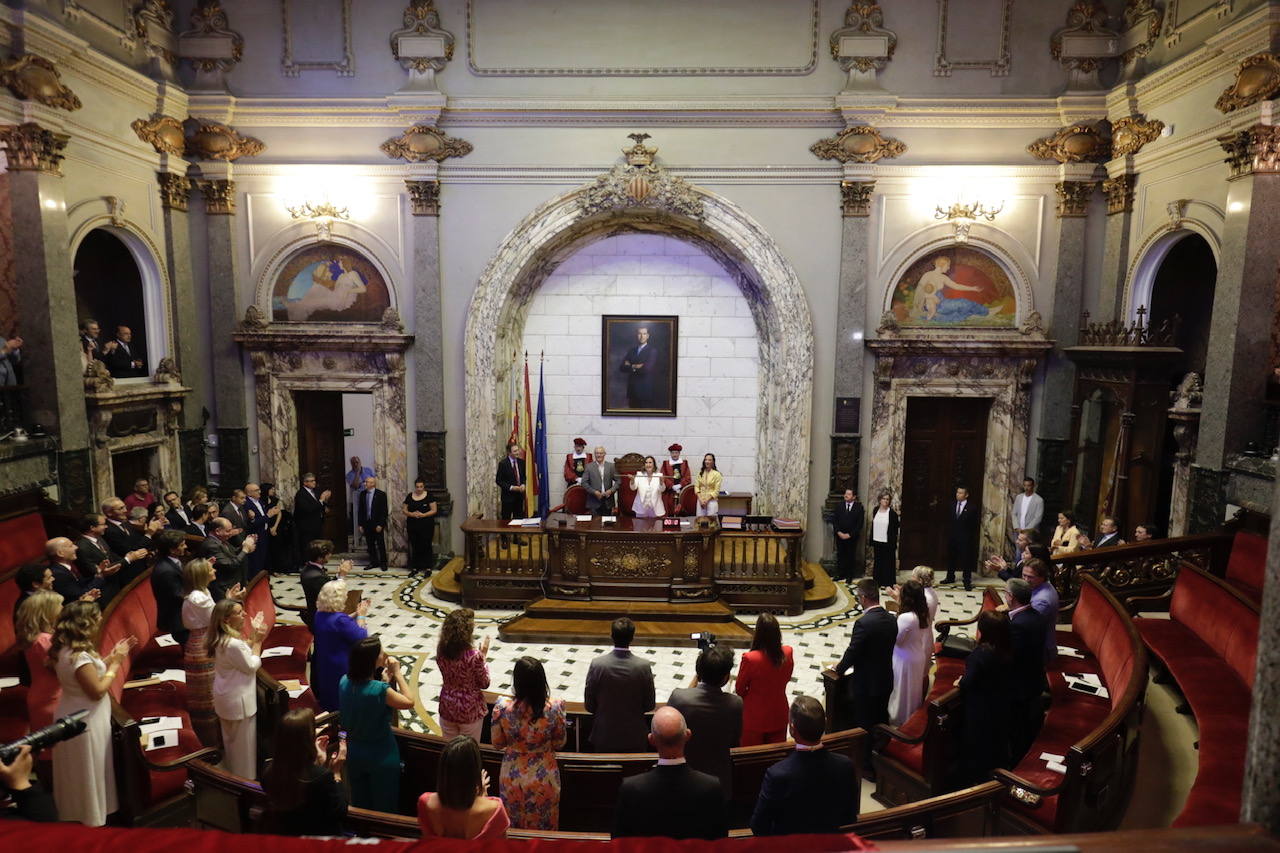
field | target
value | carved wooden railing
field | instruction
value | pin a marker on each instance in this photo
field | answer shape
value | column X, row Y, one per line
column 504, row 566
column 1141, row 568
column 759, row 569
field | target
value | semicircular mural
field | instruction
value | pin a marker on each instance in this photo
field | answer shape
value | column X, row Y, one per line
column 955, row 286
column 328, row 283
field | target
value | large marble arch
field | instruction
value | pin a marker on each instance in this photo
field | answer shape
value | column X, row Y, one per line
column 559, row 227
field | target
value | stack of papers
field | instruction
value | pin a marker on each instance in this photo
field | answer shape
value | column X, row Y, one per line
column 1056, row 763
column 9, row 681
column 166, row 640
column 1070, row 652
column 160, row 732
column 524, row 522
column 295, row 687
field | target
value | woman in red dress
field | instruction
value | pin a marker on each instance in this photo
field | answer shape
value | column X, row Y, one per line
column 762, row 684
column 33, row 624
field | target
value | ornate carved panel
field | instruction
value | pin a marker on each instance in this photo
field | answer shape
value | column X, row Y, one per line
column 641, row 182
column 945, row 60
column 1175, row 25
column 212, row 140
column 1130, row 133
column 1253, row 151
column 424, row 197
column 638, row 561
column 422, row 143
column 219, row 197
column 1073, row 197
column 29, row 147
column 163, row 133
column 861, row 143
column 1257, row 79
column 337, row 11
column 1078, row 143
column 1119, row 193
column 175, row 190
column 863, row 44
column 34, row 78
column 415, row 46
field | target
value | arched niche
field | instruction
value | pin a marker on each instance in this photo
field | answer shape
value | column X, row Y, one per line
column 1155, row 248
column 562, row 225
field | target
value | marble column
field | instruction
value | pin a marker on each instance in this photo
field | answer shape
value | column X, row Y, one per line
column 1115, row 254
column 428, row 349
column 1261, row 793
column 1244, row 297
column 44, row 285
column 230, row 415
column 188, row 330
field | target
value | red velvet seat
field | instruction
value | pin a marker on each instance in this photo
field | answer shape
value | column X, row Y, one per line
column 1247, row 566
column 163, row 700
column 293, row 666
column 22, row 540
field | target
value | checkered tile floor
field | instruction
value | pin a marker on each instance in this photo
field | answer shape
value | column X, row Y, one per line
column 408, row 618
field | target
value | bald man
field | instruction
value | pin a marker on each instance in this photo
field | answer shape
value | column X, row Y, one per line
column 67, row 580
column 672, row 800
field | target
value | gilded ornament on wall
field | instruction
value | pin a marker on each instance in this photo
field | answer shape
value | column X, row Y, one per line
column 422, row 143
column 1073, row 197
column 1252, row 151
column 1257, row 79
column 163, row 133
column 861, row 143
column 1130, row 133
column 34, row 78
column 1085, row 19
column 631, row 563
column 211, row 140
column 424, row 197
column 641, row 182
column 855, row 197
column 422, row 19
column 219, row 197
column 174, row 190
column 1078, row 143
column 1119, row 193
column 210, row 45
column 1139, row 13
column 863, row 20
column 28, row 147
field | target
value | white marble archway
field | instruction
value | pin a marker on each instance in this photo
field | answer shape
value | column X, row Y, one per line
column 778, row 305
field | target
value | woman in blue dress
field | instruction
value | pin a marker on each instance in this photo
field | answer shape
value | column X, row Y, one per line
column 368, row 706
column 336, row 634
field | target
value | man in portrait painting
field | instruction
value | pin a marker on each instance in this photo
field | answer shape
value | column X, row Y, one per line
column 640, row 366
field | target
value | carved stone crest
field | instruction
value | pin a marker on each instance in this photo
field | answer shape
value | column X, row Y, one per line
column 1033, row 325
column 254, row 320
column 640, row 182
column 1257, row 79
column 1078, row 143
column 212, row 140
column 411, row 46
column 167, row 372
column 28, row 147
column 391, row 320
column 861, row 143
column 1189, row 393
column 163, row 133
column 210, row 45
column 1130, row 133
column 863, row 44
column 422, row 142
column 34, row 78
column 97, row 378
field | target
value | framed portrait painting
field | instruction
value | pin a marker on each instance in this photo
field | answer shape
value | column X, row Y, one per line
column 638, row 366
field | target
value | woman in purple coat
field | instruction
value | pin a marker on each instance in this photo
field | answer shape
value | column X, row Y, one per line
column 336, row 633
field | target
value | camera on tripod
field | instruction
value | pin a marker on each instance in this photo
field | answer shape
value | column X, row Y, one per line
column 705, row 639
column 64, row 729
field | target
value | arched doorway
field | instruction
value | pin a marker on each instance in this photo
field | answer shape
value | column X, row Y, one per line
column 726, row 233
column 109, row 289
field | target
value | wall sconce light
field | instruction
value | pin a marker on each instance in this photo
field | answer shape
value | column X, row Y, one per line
column 323, row 214
column 962, row 216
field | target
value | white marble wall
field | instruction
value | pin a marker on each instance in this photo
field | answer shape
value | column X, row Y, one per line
column 718, row 367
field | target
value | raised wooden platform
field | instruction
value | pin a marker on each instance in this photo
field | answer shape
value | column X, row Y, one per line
column 658, row 623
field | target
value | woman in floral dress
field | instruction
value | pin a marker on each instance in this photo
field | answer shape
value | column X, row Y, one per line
column 529, row 727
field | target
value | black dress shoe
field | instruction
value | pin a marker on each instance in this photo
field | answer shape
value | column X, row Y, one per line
column 949, row 579
column 968, row 587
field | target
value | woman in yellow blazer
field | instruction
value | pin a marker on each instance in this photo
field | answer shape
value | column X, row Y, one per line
column 1066, row 538
column 707, row 486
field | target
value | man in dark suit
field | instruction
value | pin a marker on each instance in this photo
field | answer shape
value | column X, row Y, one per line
column 228, row 562
column 619, row 692
column 93, row 554
column 233, row 511
column 1027, row 635
column 713, row 716
column 962, row 533
column 847, row 522
column 1108, row 535
column 166, row 583
column 124, row 360
column 870, row 653
column 179, row 517
column 640, row 366
column 117, row 533
column 672, row 800
column 371, row 515
column 510, row 478
column 309, row 508
column 313, row 575
column 813, row 789
column 141, row 530
column 67, row 580
column 258, row 523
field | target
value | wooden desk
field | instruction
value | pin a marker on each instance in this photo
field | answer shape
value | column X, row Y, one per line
column 735, row 503
column 635, row 558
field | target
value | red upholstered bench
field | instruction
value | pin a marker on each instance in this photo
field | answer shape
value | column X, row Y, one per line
column 258, row 599
column 1247, row 565
column 1208, row 645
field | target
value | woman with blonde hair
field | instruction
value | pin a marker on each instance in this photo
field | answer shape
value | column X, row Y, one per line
column 36, row 616
column 336, row 634
column 84, row 777
column 236, row 660
column 465, row 674
column 924, row 576
column 197, row 607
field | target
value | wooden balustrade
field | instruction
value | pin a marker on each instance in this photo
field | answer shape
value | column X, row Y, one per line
column 1141, row 568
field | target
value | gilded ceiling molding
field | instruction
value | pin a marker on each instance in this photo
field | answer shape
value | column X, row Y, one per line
column 1119, row 193
column 1252, row 151
column 1085, row 41
column 1073, row 197
column 175, row 191
column 345, row 66
column 28, row 147
column 34, row 78
column 861, row 143
column 163, row 133
column 219, row 196
column 424, row 197
column 1257, row 79
column 1175, row 28
column 210, row 46
column 153, row 24
column 863, row 44
column 422, row 142
column 211, row 140
column 1140, row 15
column 855, row 198
column 421, row 24
column 641, row 182
column 1078, row 143
column 1130, row 133
column 998, row 65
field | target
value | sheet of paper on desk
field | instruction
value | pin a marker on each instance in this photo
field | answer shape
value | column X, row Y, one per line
column 1090, row 678
column 166, row 640
column 9, row 681
column 277, row 652
column 295, row 692
column 1056, row 767
column 608, row 519
column 1070, row 652
column 173, row 675
column 162, row 739
column 1049, row 756
column 161, row 724
column 582, row 518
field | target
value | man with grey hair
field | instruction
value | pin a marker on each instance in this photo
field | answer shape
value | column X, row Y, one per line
column 67, row 582
column 1027, row 634
column 601, row 482
column 228, row 562
column 672, row 800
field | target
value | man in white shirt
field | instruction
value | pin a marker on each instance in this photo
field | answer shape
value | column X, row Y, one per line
column 1028, row 511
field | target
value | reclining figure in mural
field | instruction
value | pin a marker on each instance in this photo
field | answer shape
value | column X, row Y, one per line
column 334, row 287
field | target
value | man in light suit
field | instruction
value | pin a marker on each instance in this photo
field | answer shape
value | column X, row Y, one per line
column 601, row 482
column 619, row 692
column 962, row 534
column 371, row 513
column 714, row 716
column 1027, row 512
column 811, row 791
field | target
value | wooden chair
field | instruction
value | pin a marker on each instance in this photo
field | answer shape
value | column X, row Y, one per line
column 575, row 500
column 625, row 466
column 688, row 501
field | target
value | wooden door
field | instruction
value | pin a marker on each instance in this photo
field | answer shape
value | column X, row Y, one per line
column 945, row 448
column 320, row 452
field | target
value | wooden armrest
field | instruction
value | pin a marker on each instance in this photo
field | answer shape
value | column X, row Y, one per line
column 208, row 753
column 897, row 734
column 1013, row 780
column 1136, row 604
column 949, row 623
column 830, row 675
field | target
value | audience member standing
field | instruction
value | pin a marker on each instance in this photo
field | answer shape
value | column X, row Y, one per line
column 233, row 511
column 762, row 682
column 1027, row 511
column 167, row 585
column 672, row 800
column 30, row 579
column 356, row 475
column 371, row 512
column 258, row 523
column 647, row 484
column 884, row 541
column 1044, row 598
column 309, row 509
column 124, row 359
column 302, row 780
column 529, row 727
column 420, row 521
column 707, row 487
column 283, row 556
column 179, row 516
column 714, row 716
column 84, row 777
column 197, row 611
column 1027, row 638
column 984, row 742
column 962, row 532
column 870, row 654
column 336, row 634
column 67, row 581
column 228, row 561
column 34, row 624
column 141, row 496
column 812, row 789
column 911, row 654
column 923, row 575
column 847, row 521
column 510, row 479
column 368, row 706
column 619, row 692
column 458, row 807
column 314, row 576
column 465, row 674
column 236, row 660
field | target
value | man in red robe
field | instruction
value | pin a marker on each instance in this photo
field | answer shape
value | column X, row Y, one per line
column 576, row 462
column 677, row 469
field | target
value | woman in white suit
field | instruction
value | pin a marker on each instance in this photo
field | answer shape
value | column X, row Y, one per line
column 647, row 485
column 235, row 667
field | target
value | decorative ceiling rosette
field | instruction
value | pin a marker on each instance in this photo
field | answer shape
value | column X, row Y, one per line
column 422, row 142
column 861, row 143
